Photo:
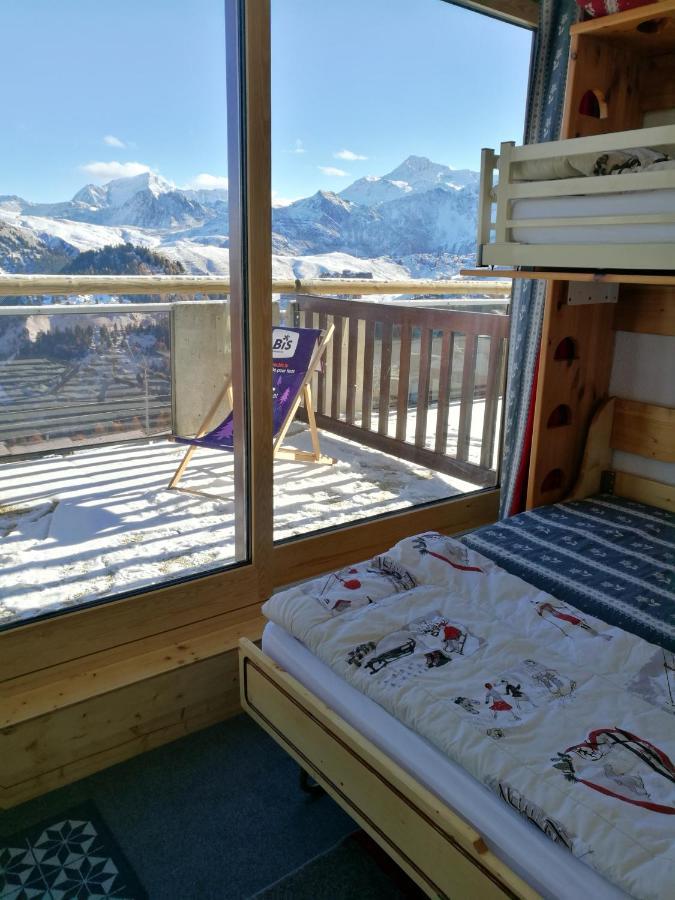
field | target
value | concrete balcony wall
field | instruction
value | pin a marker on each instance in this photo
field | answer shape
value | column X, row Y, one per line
column 201, row 364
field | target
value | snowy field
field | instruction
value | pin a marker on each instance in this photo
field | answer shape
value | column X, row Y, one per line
column 100, row 521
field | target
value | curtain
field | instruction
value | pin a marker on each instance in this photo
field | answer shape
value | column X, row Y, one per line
column 544, row 116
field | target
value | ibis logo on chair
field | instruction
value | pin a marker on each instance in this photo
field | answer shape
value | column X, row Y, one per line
column 284, row 343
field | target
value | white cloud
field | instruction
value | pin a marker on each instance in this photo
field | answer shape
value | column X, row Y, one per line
column 349, row 155
column 206, row 182
column 281, row 201
column 299, row 147
column 113, row 141
column 105, row 171
column 331, row 170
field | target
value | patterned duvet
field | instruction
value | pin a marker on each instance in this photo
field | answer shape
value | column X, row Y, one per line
column 569, row 720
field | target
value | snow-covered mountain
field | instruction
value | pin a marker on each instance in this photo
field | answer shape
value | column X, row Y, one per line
column 416, row 174
column 419, row 217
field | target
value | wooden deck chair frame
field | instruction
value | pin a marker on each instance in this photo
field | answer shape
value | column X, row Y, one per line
column 278, row 452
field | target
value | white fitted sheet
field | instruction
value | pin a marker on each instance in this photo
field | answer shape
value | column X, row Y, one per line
column 624, row 204
column 550, row 869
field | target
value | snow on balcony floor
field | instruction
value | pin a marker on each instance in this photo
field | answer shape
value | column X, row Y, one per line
column 100, row 521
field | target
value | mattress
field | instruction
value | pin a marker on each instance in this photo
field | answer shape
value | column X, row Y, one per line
column 609, row 557
column 627, row 203
column 547, row 867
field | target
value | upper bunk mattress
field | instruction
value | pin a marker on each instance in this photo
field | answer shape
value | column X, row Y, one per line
column 610, row 557
column 628, row 203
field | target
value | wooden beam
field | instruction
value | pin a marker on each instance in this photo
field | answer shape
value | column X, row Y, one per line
column 518, row 12
column 644, row 490
column 563, row 275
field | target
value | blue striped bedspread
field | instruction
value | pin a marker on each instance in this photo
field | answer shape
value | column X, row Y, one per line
column 609, row 557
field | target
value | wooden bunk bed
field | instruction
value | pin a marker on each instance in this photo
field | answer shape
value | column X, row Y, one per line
column 577, row 430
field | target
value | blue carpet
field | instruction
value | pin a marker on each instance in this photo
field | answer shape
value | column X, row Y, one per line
column 216, row 815
column 355, row 869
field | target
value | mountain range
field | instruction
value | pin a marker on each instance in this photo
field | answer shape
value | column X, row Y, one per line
column 419, row 219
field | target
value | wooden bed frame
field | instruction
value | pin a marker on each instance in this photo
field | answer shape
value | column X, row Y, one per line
column 439, row 850
column 628, row 61
column 503, row 250
column 620, row 81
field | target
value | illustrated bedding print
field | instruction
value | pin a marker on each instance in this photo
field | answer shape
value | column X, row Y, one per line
column 568, row 719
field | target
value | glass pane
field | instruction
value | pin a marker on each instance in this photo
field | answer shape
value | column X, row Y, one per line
column 100, row 387
column 375, row 176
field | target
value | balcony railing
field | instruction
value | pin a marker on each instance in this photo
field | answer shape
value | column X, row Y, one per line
column 405, row 378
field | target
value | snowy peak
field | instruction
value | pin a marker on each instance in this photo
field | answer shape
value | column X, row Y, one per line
column 423, row 174
column 372, row 190
column 415, row 175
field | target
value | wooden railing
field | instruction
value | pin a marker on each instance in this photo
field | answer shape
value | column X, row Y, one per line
column 374, row 391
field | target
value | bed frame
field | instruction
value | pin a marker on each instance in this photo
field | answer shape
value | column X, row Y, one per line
column 496, row 245
column 628, row 62
column 620, row 94
column 441, row 852
column 444, row 855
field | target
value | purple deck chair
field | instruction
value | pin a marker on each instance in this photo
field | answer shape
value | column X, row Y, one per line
column 296, row 354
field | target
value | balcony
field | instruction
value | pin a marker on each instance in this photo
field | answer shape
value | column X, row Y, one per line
column 408, row 404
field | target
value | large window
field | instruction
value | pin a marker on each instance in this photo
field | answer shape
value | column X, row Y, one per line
column 114, row 166
column 138, row 447
column 376, row 157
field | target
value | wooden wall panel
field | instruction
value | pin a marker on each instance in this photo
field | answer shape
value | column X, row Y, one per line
column 644, row 429
column 644, row 308
column 578, row 384
column 59, row 747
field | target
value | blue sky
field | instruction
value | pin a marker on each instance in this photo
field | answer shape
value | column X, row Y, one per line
column 111, row 88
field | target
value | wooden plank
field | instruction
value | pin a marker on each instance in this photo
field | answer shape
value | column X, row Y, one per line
column 647, row 309
column 624, row 24
column 309, row 556
column 39, row 645
column 466, row 402
column 518, row 12
column 385, row 378
column 597, row 456
column 493, row 388
column 402, row 396
column 581, row 384
column 352, row 357
column 336, row 379
column 440, row 851
column 321, row 380
column 161, row 727
column 368, row 356
column 553, row 275
column 49, row 690
column 644, row 490
column 443, row 405
column 249, row 114
column 645, row 429
column 43, row 744
column 423, row 384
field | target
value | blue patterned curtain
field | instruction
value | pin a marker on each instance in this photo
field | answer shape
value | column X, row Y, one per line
column 544, row 115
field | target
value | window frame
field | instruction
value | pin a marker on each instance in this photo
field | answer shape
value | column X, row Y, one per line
column 214, row 598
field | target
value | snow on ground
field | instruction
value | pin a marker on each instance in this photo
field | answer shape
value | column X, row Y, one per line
column 100, row 521
column 82, row 235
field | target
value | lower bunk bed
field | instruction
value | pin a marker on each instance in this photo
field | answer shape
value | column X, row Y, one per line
column 352, row 701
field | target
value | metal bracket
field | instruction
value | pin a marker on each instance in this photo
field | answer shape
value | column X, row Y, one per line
column 607, row 480
column 583, row 293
